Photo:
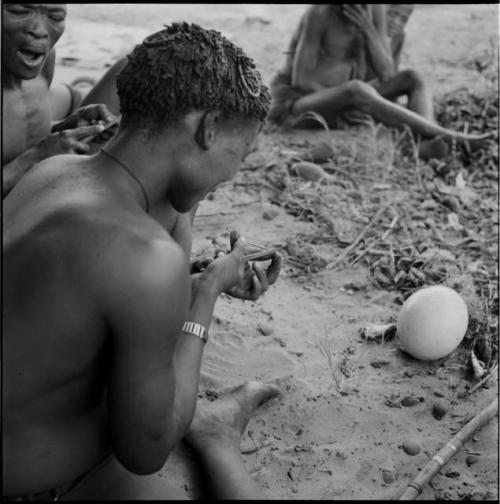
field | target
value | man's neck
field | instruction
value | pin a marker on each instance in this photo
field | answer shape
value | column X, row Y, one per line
column 153, row 170
column 11, row 82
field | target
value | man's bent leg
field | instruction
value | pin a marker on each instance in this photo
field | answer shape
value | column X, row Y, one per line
column 411, row 84
column 330, row 102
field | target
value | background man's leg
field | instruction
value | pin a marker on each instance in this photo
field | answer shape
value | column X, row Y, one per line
column 409, row 83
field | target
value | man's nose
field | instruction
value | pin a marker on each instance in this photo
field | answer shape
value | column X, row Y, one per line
column 38, row 27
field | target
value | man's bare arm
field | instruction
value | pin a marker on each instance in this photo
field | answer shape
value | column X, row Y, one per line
column 379, row 55
column 382, row 54
column 307, row 51
column 144, row 293
column 105, row 90
column 145, row 300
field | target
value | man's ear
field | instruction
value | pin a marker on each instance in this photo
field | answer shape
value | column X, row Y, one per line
column 207, row 129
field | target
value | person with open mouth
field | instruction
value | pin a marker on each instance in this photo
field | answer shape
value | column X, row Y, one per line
column 32, row 102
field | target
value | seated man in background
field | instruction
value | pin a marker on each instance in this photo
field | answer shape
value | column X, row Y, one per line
column 332, row 53
column 104, row 328
column 32, row 102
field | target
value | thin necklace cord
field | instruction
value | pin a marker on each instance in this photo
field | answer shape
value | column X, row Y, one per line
column 132, row 174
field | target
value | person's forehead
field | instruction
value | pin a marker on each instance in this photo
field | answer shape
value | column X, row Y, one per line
column 401, row 8
column 43, row 6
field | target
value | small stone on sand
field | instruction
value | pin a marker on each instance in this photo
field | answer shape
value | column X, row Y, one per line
column 388, row 476
column 308, row 171
column 409, row 401
column 265, row 329
column 439, row 410
column 471, row 460
column 270, row 214
column 411, row 447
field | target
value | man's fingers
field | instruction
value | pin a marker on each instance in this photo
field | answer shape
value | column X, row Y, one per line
column 95, row 112
column 84, row 131
column 262, row 276
column 258, row 254
column 68, row 123
column 256, row 291
column 104, row 136
column 238, row 246
column 104, row 113
column 234, row 236
column 274, row 269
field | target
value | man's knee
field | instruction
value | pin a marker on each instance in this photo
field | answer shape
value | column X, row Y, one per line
column 359, row 93
column 413, row 79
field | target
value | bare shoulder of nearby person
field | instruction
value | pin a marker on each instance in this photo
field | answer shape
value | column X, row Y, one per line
column 316, row 14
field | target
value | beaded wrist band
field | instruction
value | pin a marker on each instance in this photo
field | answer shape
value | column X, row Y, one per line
column 196, row 330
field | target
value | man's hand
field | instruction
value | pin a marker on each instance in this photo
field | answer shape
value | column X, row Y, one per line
column 358, row 17
column 238, row 277
column 91, row 115
column 86, row 116
column 69, row 141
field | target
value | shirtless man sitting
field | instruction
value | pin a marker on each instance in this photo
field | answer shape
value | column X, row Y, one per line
column 333, row 48
column 104, row 328
column 32, row 102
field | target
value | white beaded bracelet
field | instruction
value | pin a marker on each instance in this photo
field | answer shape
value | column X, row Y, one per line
column 196, row 329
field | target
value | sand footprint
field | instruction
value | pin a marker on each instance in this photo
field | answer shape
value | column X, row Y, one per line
column 230, row 359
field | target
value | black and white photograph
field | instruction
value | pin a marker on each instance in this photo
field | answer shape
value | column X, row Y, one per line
column 250, row 251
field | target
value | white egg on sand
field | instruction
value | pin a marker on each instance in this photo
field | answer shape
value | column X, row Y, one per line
column 432, row 322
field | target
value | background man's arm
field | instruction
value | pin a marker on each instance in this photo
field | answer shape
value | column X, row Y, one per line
column 59, row 94
column 397, row 43
column 105, row 90
column 379, row 55
column 378, row 45
column 307, row 51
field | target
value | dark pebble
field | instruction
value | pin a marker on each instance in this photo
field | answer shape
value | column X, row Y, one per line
column 471, row 460
column 409, row 401
column 439, row 410
column 388, row 476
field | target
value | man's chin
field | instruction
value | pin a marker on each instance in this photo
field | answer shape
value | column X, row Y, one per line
column 22, row 72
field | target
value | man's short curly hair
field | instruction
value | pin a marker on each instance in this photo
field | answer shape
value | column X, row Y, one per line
column 185, row 67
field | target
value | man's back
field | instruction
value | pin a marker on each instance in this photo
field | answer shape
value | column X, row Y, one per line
column 57, row 230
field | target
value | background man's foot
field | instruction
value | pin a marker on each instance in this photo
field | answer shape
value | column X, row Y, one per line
column 439, row 147
column 436, row 148
column 476, row 141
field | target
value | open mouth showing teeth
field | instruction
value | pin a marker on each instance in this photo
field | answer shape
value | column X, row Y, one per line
column 30, row 58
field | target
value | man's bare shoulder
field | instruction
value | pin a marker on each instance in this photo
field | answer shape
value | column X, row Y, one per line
column 317, row 13
column 314, row 20
column 129, row 253
column 130, row 238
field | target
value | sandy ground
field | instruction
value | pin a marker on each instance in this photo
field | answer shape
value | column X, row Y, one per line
column 320, row 440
